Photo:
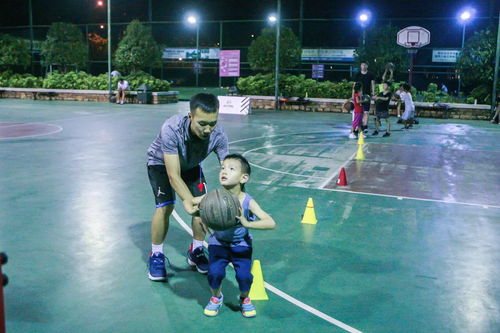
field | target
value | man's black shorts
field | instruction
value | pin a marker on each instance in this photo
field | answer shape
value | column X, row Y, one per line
column 163, row 191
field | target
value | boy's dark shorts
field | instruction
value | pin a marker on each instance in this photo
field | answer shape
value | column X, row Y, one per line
column 382, row 114
column 163, row 191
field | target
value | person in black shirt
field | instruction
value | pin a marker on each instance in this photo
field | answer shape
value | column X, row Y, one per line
column 382, row 101
column 368, row 81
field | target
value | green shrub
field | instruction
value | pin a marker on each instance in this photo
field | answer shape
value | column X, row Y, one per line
column 294, row 86
column 8, row 79
column 137, row 78
column 82, row 80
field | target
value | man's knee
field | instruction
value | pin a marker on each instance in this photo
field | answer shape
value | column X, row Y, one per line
column 165, row 210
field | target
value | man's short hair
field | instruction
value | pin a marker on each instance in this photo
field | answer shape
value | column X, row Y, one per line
column 365, row 62
column 388, row 83
column 208, row 103
column 120, row 80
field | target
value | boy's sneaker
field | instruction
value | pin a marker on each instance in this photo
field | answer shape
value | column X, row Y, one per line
column 198, row 258
column 386, row 134
column 156, row 265
column 352, row 136
column 375, row 133
column 247, row 308
column 213, row 306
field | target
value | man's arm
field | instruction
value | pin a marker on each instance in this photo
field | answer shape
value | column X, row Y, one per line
column 173, row 166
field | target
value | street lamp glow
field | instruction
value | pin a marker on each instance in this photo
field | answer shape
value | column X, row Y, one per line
column 100, row 3
column 364, row 17
column 192, row 19
column 465, row 16
column 272, row 18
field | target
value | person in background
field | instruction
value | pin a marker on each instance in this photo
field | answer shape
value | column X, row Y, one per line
column 121, row 91
column 367, row 80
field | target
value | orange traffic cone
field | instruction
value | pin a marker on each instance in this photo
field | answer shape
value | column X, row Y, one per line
column 342, row 181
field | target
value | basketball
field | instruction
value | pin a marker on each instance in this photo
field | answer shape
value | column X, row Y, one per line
column 219, row 208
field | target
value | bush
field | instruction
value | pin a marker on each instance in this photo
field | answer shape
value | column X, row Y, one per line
column 82, row 80
column 293, row 85
column 138, row 78
column 7, row 79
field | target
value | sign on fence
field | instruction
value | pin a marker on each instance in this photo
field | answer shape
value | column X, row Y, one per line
column 229, row 63
column 318, row 71
column 445, row 55
column 234, row 105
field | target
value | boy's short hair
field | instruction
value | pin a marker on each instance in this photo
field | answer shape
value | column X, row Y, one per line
column 208, row 103
column 406, row 87
column 245, row 166
column 388, row 83
column 358, row 86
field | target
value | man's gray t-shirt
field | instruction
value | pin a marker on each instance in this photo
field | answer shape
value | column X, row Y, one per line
column 175, row 138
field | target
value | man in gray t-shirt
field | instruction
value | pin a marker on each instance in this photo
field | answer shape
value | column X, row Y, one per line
column 173, row 167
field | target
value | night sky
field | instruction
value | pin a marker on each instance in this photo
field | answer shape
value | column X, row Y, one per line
column 15, row 12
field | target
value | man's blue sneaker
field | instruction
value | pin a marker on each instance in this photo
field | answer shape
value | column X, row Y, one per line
column 156, row 265
column 198, row 258
column 213, row 306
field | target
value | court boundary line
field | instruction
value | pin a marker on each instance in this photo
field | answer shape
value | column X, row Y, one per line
column 281, row 293
column 58, row 130
column 399, row 197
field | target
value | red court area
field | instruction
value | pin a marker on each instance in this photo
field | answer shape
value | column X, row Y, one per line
column 26, row 130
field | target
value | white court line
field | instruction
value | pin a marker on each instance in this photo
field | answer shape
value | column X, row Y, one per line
column 284, row 172
column 365, row 193
column 59, row 129
column 282, row 294
column 399, row 197
column 342, row 166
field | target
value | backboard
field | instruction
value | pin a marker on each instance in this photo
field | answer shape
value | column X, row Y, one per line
column 413, row 37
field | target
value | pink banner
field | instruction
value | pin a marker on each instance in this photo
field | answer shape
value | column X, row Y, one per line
column 229, row 63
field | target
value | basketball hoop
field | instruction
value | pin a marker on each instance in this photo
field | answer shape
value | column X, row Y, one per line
column 413, row 38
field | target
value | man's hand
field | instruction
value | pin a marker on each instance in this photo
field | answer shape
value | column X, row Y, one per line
column 192, row 205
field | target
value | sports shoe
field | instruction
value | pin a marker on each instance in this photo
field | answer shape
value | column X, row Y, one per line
column 198, row 258
column 352, row 136
column 386, row 134
column 375, row 133
column 247, row 308
column 213, row 306
column 156, row 265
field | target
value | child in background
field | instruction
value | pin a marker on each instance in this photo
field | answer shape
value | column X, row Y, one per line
column 409, row 113
column 234, row 245
column 382, row 101
column 357, row 99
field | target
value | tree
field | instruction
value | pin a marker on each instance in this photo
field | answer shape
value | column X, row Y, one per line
column 14, row 52
column 137, row 49
column 64, row 46
column 381, row 48
column 262, row 51
column 476, row 63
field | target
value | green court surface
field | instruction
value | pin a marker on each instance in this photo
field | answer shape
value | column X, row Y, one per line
column 412, row 244
column 185, row 93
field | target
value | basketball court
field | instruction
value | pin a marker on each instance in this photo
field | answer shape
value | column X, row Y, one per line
column 412, row 244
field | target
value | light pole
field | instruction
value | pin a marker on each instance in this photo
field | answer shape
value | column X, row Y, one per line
column 465, row 17
column 194, row 21
column 364, row 20
column 100, row 3
column 495, row 75
column 276, row 19
column 110, row 91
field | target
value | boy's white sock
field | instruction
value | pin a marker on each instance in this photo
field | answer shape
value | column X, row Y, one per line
column 157, row 248
column 197, row 243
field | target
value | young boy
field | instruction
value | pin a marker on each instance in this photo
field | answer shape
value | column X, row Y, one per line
column 382, row 101
column 357, row 99
column 409, row 113
column 234, row 245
